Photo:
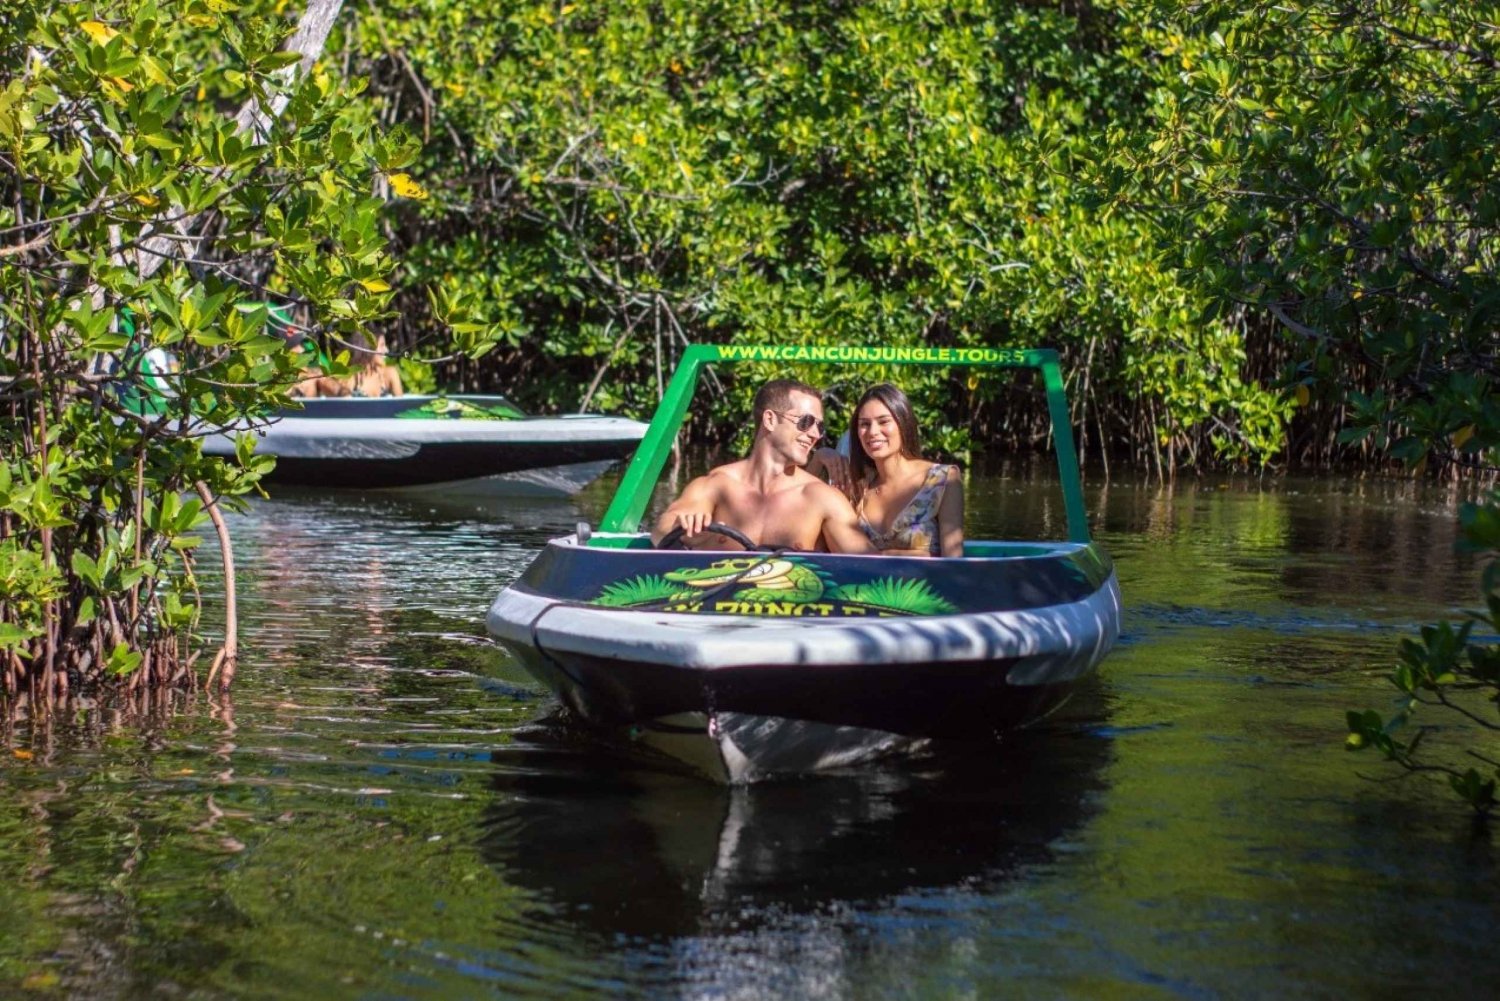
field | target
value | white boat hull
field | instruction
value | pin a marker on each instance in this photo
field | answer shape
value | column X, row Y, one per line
column 363, row 444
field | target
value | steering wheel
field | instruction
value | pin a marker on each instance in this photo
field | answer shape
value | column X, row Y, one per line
column 673, row 539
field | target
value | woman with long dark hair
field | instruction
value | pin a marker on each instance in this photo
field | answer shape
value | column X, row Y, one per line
column 907, row 505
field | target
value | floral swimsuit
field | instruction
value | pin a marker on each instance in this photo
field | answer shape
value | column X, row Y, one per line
column 916, row 527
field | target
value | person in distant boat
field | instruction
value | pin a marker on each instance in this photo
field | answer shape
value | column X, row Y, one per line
column 906, row 505
column 311, row 380
column 768, row 496
column 372, row 375
column 314, row 383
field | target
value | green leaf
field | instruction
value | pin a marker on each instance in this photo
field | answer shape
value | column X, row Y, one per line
column 123, row 660
column 15, row 637
column 87, row 569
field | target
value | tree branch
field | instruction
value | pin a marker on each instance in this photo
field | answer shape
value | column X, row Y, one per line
column 307, row 41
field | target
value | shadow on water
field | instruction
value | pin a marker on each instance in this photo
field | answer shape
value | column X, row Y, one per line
column 622, row 847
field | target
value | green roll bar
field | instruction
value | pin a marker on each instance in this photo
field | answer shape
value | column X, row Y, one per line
column 634, row 493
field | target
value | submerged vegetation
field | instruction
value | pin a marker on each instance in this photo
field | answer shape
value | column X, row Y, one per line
column 1261, row 236
column 1447, row 668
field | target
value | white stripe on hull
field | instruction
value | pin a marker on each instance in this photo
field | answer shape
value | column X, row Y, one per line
column 1055, row 644
column 395, row 437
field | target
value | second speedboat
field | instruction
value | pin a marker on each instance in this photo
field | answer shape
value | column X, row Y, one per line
column 471, row 445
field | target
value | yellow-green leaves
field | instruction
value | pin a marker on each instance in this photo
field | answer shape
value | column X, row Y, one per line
column 100, row 32
column 141, row 210
column 403, row 186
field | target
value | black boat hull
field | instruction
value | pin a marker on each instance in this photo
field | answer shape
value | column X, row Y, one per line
column 848, row 653
column 940, row 700
column 436, row 463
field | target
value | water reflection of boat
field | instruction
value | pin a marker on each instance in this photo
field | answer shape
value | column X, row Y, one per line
column 792, row 662
column 479, row 445
column 528, row 520
column 625, row 849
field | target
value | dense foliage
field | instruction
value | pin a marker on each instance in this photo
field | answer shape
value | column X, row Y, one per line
column 1330, row 167
column 619, row 179
column 165, row 170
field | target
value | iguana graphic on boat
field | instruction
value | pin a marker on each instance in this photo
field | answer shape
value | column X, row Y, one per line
column 781, row 580
column 766, row 580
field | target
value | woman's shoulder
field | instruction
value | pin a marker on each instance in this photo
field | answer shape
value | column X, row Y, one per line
column 946, row 473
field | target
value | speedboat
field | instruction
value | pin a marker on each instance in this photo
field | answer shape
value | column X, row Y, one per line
column 469, row 445
column 751, row 664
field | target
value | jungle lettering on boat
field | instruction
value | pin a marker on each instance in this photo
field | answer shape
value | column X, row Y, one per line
column 779, row 586
column 792, row 609
column 867, row 355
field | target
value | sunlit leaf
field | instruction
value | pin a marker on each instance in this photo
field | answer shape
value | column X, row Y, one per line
column 405, row 187
column 98, row 31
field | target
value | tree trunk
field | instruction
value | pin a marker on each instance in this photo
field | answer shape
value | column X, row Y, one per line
column 308, row 40
column 228, row 657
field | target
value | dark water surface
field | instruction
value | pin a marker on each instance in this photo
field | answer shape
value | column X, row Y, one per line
column 389, row 810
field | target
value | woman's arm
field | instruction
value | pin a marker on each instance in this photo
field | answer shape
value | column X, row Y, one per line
column 327, row 385
column 828, row 465
column 951, row 515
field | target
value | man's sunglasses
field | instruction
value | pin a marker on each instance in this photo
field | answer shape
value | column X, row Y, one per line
column 804, row 422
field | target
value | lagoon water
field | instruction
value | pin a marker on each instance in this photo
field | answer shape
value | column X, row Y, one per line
column 391, row 809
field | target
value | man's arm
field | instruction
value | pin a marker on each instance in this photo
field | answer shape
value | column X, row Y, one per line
column 692, row 511
column 841, row 531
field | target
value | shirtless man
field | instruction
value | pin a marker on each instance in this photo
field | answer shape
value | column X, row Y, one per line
column 769, row 496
